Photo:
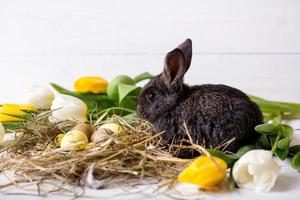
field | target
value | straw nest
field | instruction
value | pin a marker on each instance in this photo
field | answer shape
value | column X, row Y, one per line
column 139, row 154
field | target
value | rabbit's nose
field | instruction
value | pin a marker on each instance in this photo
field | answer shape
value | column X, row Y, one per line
column 170, row 100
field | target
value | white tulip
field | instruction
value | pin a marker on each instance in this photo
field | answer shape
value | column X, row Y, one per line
column 2, row 132
column 256, row 170
column 67, row 107
column 39, row 97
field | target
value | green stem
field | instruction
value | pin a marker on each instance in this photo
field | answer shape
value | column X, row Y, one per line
column 116, row 108
column 291, row 116
column 276, row 106
column 231, row 182
column 277, row 119
column 274, row 147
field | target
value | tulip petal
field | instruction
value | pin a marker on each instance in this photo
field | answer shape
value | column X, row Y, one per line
column 23, row 107
column 205, row 172
column 9, row 118
column 40, row 97
column 67, row 107
column 10, row 111
column 256, row 170
column 92, row 84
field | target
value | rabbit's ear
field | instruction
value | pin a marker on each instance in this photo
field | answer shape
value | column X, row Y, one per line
column 186, row 48
column 177, row 62
column 174, row 67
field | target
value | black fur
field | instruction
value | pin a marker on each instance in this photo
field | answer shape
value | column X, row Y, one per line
column 213, row 114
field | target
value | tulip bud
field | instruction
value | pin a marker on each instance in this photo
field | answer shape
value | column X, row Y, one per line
column 92, row 84
column 205, row 172
column 67, row 107
column 39, row 97
column 256, row 170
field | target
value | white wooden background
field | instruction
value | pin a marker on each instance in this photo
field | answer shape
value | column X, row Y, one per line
column 250, row 44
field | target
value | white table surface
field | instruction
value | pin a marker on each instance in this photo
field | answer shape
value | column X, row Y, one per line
column 253, row 45
column 287, row 187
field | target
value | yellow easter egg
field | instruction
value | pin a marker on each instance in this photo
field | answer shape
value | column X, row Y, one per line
column 85, row 128
column 57, row 139
column 74, row 140
column 116, row 128
column 100, row 135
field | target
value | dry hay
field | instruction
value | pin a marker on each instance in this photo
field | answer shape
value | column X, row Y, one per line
column 138, row 154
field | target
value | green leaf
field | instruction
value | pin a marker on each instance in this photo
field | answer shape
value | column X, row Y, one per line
column 282, row 153
column 283, row 143
column 245, row 149
column 275, row 106
column 12, row 125
column 264, row 142
column 129, row 103
column 286, row 131
column 143, row 76
column 62, row 90
column 112, row 88
column 294, row 149
column 296, row 161
column 267, row 117
column 125, row 89
column 272, row 139
column 267, row 129
column 229, row 159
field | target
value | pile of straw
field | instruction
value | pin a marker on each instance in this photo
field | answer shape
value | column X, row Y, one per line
column 140, row 154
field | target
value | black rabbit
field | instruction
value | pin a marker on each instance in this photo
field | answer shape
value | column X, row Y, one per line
column 213, row 114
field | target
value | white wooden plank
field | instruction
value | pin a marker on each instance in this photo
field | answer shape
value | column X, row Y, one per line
column 94, row 27
column 275, row 77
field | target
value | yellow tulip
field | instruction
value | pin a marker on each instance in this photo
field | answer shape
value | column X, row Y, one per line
column 92, row 84
column 10, row 112
column 205, row 172
column 24, row 107
column 9, row 118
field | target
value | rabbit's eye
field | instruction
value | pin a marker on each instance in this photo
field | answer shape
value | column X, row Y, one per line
column 151, row 96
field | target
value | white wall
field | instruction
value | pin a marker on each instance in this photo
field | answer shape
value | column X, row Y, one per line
column 250, row 44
